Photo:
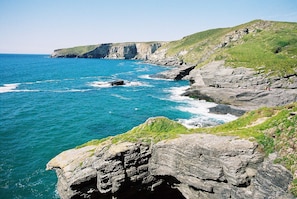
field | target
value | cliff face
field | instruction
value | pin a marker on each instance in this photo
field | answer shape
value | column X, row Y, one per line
column 140, row 50
column 191, row 166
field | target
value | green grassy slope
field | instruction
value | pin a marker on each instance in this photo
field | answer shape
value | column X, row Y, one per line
column 269, row 46
column 275, row 129
column 273, row 50
column 77, row 51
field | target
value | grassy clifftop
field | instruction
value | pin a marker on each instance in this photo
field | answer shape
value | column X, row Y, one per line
column 273, row 128
column 266, row 46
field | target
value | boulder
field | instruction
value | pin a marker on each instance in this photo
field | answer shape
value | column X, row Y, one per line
column 225, row 109
column 117, row 83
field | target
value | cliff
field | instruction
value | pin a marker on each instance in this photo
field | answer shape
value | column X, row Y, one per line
column 133, row 50
column 161, row 158
column 248, row 66
column 245, row 67
column 242, row 88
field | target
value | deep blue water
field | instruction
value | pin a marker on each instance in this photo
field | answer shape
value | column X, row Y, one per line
column 50, row 105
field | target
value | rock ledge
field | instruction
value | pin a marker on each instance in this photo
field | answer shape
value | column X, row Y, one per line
column 191, row 166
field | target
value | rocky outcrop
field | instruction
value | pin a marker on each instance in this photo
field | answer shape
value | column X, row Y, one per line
column 240, row 87
column 191, row 166
column 133, row 50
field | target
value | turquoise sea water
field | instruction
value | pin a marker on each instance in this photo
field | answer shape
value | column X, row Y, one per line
column 50, row 105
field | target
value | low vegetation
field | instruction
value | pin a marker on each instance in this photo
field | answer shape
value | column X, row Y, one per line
column 153, row 130
column 270, row 48
column 77, row 51
column 266, row 46
column 273, row 50
column 275, row 129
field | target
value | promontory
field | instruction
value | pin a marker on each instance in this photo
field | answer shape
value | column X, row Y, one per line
column 249, row 70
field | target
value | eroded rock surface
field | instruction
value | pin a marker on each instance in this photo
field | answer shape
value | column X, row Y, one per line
column 132, row 50
column 191, row 166
column 241, row 87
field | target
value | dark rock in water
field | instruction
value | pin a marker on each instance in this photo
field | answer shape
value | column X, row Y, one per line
column 225, row 109
column 177, row 73
column 117, row 83
column 196, row 94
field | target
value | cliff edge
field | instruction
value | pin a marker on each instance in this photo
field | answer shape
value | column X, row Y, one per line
column 161, row 158
column 246, row 67
column 129, row 50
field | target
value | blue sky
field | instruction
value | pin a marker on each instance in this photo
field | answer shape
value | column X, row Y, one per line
column 40, row 26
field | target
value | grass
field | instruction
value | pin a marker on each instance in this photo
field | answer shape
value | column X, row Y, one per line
column 271, row 49
column 196, row 45
column 153, row 130
column 276, row 133
column 274, row 50
column 274, row 129
column 77, row 51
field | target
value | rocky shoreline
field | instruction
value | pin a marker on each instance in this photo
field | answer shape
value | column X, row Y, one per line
column 237, row 88
column 191, row 166
column 194, row 165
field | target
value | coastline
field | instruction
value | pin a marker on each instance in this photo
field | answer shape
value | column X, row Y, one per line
column 251, row 157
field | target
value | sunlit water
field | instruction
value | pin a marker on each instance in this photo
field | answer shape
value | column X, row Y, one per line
column 50, row 105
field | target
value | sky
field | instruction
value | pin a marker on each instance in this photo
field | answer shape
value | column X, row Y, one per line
column 41, row 26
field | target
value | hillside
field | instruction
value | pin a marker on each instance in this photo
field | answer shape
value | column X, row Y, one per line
column 240, row 159
column 249, row 68
column 266, row 46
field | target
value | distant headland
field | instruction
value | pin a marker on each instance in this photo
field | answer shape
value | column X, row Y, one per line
column 248, row 68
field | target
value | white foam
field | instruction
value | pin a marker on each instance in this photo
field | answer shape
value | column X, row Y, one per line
column 69, row 90
column 6, row 88
column 99, row 84
column 120, row 97
column 153, row 78
column 137, row 83
column 105, row 84
column 198, row 108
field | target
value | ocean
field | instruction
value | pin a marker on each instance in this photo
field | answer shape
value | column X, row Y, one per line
column 51, row 105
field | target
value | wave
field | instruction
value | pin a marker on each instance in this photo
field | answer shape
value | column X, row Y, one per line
column 198, row 108
column 9, row 88
column 69, row 91
column 120, row 97
column 137, row 83
column 99, row 84
column 153, row 78
column 107, row 84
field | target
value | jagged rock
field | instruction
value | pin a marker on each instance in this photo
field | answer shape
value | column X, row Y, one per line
column 176, row 73
column 225, row 109
column 240, row 87
column 191, row 166
column 117, row 83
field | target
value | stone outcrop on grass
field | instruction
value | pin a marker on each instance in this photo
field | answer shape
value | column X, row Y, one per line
column 191, row 166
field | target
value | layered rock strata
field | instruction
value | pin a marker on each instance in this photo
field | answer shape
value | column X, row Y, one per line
column 241, row 87
column 191, row 166
column 133, row 50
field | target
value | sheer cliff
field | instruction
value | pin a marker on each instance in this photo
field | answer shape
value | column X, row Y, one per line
column 133, row 50
column 248, row 66
column 161, row 158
